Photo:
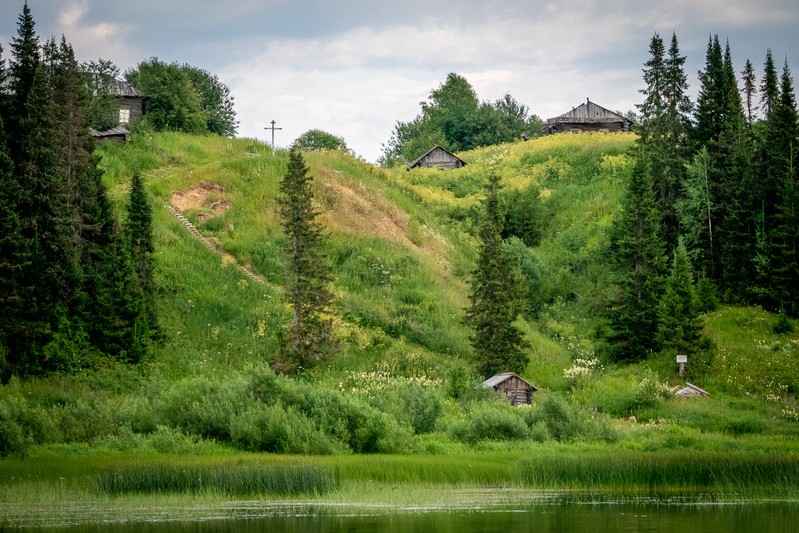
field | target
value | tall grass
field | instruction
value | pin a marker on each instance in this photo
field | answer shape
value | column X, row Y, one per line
column 232, row 481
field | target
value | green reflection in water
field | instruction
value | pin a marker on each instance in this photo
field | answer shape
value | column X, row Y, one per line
column 708, row 518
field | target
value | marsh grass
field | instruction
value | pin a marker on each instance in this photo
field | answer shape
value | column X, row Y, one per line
column 234, row 481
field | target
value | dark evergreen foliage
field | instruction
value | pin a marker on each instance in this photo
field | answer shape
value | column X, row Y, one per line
column 638, row 253
column 139, row 235
column 61, row 276
column 664, row 128
column 680, row 326
column 308, row 338
column 496, row 297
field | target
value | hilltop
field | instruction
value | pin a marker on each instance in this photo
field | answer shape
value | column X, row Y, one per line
column 402, row 245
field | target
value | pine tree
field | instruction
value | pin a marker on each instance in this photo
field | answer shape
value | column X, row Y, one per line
column 309, row 333
column 496, row 297
column 679, row 325
column 638, row 254
column 139, row 234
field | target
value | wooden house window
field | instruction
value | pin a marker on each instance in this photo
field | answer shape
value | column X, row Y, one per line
column 124, row 116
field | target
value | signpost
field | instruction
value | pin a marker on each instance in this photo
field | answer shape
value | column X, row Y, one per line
column 682, row 360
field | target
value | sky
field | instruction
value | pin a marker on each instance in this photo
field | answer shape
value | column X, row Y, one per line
column 354, row 68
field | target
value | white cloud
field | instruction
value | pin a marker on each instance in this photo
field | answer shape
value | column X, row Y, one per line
column 92, row 40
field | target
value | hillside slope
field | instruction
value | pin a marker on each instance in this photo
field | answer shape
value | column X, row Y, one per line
column 401, row 245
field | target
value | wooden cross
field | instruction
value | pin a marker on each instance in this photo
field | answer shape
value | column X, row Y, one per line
column 273, row 128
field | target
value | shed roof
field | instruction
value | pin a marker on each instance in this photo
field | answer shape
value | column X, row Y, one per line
column 692, row 390
column 416, row 161
column 590, row 112
column 116, row 130
column 496, row 379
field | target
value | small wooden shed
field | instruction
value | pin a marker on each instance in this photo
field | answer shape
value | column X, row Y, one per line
column 437, row 157
column 518, row 391
column 691, row 390
column 587, row 117
column 117, row 134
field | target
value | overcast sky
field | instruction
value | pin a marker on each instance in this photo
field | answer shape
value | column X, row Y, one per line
column 355, row 67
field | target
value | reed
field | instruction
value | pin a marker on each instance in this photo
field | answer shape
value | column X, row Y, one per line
column 234, row 481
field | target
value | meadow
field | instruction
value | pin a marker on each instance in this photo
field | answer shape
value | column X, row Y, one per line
column 400, row 404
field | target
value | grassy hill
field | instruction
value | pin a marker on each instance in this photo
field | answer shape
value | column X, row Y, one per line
column 401, row 245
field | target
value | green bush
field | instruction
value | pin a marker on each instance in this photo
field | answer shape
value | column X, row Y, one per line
column 272, row 428
column 495, row 420
column 13, row 439
column 203, row 406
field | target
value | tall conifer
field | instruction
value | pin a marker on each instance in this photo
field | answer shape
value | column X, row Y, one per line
column 638, row 253
column 309, row 333
column 495, row 296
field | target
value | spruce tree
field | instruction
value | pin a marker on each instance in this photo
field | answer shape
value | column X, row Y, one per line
column 139, row 234
column 769, row 85
column 749, row 89
column 47, row 215
column 496, row 297
column 665, row 127
column 784, row 165
column 638, row 255
column 121, row 327
column 308, row 338
column 679, row 325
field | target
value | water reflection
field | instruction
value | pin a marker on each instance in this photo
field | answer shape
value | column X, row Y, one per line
column 711, row 518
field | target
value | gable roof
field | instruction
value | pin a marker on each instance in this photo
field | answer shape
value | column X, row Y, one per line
column 419, row 159
column 589, row 112
column 496, row 379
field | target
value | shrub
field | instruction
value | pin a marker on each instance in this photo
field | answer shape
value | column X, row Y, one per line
column 272, row 428
column 495, row 420
column 13, row 439
column 204, row 407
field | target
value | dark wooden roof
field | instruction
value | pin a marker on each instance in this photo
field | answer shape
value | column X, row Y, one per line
column 590, row 113
column 119, row 88
column 437, row 155
column 498, row 379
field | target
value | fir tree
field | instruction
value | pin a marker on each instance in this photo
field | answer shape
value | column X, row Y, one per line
column 679, row 325
column 638, row 254
column 496, row 297
column 308, row 336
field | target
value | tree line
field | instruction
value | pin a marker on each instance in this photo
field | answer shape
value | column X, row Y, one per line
column 715, row 189
column 76, row 283
column 455, row 119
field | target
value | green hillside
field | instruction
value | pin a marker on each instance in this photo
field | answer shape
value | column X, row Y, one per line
column 402, row 245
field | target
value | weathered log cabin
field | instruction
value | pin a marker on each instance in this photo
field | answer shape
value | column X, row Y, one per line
column 516, row 389
column 587, row 117
column 129, row 98
column 437, row 157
